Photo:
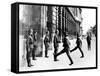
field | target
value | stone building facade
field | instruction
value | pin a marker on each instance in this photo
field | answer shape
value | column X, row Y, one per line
column 42, row 18
column 64, row 19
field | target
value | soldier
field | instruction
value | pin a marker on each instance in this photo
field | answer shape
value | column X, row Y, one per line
column 66, row 48
column 46, row 43
column 56, row 44
column 34, row 45
column 29, row 47
column 78, row 46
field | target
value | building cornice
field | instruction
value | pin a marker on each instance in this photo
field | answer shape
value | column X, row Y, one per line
column 74, row 17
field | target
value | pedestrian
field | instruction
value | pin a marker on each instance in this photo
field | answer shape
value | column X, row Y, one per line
column 56, row 44
column 46, row 43
column 66, row 49
column 88, row 41
column 29, row 47
column 78, row 46
column 34, row 45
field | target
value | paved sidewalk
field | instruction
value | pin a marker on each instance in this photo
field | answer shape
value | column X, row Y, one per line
column 43, row 63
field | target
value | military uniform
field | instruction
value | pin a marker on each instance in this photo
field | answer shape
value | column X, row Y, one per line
column 29, row 48
column 46, row 43
column 56, row 45
column 35, row 46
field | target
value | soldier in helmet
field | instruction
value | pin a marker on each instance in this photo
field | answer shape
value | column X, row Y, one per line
column 29, row 47
column 34, row 45
column 56, row 44
column 46, row 43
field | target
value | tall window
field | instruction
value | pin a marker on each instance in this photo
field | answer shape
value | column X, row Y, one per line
column 76, row 12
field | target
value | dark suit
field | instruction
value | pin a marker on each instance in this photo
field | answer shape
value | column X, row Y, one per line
column 89, row 42
column 66, row 49
column 78, row 46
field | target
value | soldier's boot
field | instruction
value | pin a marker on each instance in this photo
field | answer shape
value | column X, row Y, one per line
column 33, row 58
column 55, row 57
column 33, row 55
column 82, row 56
column 46, row 54
column 71, row 63
column 29, row 63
